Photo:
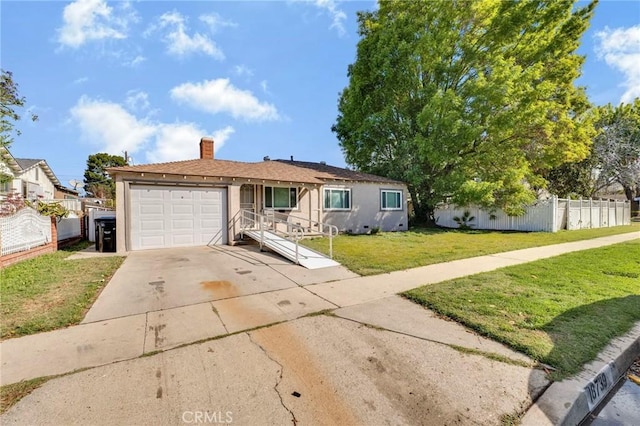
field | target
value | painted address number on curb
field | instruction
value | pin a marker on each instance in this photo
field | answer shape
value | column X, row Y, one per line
column 598, row 387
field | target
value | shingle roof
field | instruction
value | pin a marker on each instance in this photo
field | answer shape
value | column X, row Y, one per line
column 325, row 171
column 25, row 163
column 276, row 170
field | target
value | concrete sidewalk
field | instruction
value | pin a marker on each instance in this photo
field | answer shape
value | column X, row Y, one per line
column 103, row 342
column 366, row 289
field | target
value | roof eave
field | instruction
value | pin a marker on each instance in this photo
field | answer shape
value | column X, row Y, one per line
column 10, row 160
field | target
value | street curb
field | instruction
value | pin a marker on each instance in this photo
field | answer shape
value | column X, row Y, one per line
column 567, row 403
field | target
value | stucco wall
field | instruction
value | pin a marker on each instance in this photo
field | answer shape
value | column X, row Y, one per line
column 366, row 212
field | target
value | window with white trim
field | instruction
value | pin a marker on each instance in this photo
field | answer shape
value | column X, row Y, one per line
column 390, row 199
column 277, row 197
column 337, row 199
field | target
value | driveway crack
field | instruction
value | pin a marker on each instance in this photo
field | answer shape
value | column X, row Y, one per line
column 278, row 380
column 215, row 311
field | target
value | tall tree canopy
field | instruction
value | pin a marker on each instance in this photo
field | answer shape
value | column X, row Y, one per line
column 614, row 160
column 469, row 99
column 10, row 100
column 96, row 180
column 617, row 148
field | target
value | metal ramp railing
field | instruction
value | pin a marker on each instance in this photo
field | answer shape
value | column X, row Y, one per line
column 283, row 236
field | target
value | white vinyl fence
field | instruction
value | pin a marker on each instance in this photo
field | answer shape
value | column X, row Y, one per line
column 585, row 214
column 546, row 215
column 69, row 227
column 23, row 231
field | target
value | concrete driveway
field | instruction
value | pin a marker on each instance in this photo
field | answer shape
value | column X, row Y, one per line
column 232, row 335
column 319, row 370
column 155, row 280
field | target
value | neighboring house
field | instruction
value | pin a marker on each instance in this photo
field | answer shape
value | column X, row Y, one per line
column 64, row 193
column 9, row 168
column 198, row 202
column 33, row 179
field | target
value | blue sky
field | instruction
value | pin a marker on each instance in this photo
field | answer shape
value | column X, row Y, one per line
column 262, row 78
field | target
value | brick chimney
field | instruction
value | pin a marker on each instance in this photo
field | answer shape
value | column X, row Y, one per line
column 206, row 148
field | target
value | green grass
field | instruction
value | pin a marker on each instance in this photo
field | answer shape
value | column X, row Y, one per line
column 49, row 292
column 394, row 251
column 560, row 311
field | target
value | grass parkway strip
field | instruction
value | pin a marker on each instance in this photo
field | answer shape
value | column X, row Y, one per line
column 49, row 292
column 561, row 311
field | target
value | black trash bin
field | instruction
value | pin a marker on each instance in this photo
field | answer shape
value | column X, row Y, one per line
column 105, row 234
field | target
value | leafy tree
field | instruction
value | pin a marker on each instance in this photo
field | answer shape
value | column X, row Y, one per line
column 617, row 148
column 574, row 179
column 97, row 181
column 10, row 100
column 469, row 99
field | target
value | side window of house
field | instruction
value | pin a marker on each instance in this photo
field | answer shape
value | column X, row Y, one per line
column 390, row 199
column 37, row 174
column 337, row 199
column 280, row 197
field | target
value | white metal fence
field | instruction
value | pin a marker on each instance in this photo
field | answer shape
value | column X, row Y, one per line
column 546, row 215
column 23, row 231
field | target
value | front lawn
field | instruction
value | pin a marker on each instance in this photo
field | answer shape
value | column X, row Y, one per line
column 49, row 292
column 394, row 251
column 561, row 311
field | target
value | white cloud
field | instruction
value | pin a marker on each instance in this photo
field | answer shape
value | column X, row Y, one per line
column 112, row 129
column 620, row 49
column 337, row 15
column 220, row 136
column 89, row 20
column 80, row 80
column 178, row 42
column 243, row 70
column 137, row 100
column 135, row 61
column 215, row 21
column 179, row 141
column 217, row 96
column 265, row 86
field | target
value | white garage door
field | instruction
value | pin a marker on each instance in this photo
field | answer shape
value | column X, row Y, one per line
column 177, row 217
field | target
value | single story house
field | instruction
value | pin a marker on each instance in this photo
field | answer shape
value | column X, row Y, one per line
column 199, row 202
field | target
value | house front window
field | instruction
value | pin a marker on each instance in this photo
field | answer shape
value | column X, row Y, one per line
column 337, row 199
column 285, row 198
column 390, row 200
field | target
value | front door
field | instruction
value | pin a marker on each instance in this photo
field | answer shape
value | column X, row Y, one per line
column 248, row 197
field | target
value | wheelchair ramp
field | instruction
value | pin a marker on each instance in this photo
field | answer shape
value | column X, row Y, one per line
column 308, row 258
